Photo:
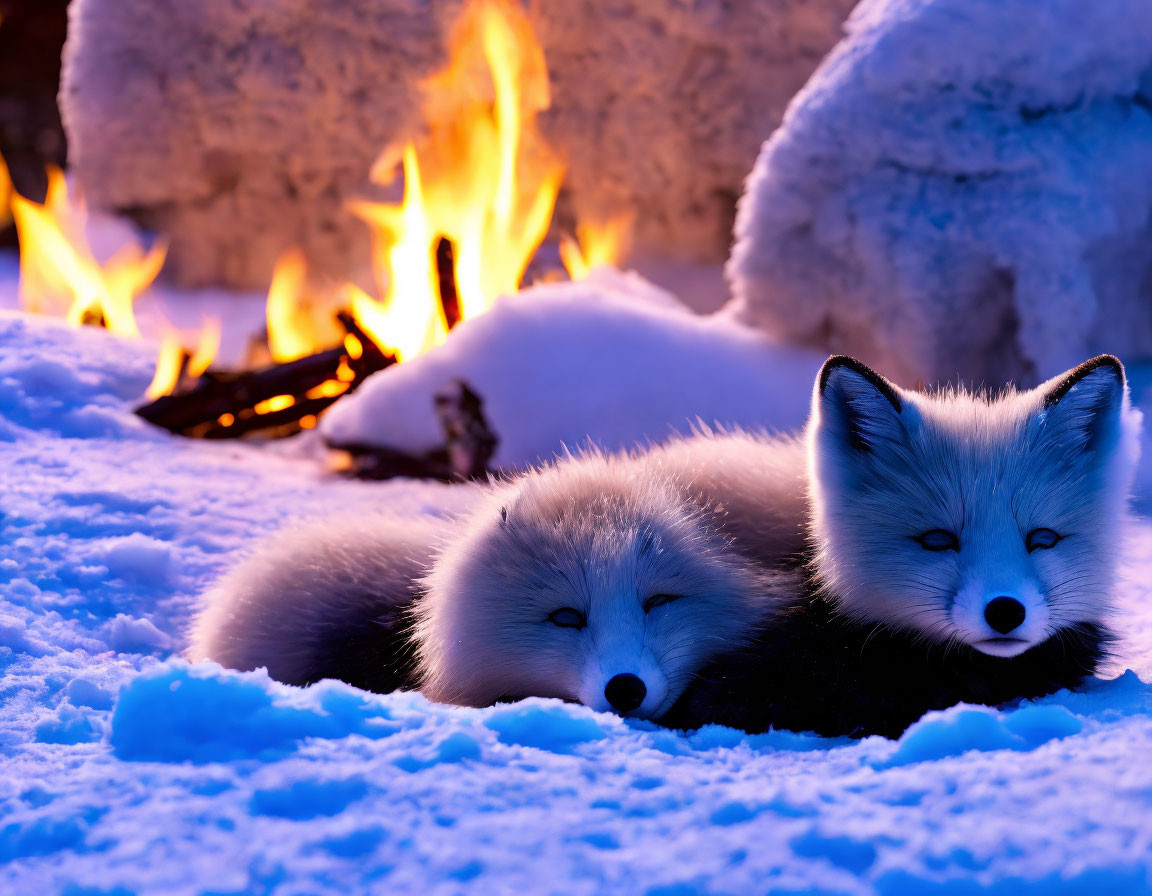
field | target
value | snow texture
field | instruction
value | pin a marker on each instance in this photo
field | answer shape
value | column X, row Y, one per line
column 240, row 127
column 963, row 188
column 610, row 360
column 126, row 771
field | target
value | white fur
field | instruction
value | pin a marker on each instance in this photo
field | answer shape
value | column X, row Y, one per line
column 602, row 535
column 756, row 483
column 576, row 531
column 284, row 606
column 988, row 468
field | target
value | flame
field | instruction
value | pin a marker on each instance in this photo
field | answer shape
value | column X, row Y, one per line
column 595, row 245
column 171, row 364
column 297, row 325
column 482, row 176
column 59, row 273
column 5, row 194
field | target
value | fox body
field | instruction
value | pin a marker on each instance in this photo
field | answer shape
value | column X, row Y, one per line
column 961, row 548
column 596, row 579
column 328, row 599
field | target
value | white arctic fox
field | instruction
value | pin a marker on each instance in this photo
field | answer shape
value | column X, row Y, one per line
column 963, row 548
column 592, row 579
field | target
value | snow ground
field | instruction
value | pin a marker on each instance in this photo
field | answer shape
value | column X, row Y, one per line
column 124, row 771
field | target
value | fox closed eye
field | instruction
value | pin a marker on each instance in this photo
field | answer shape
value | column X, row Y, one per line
column 1042, row 540
column 939, row 540
column 566, row 617
column 658, row 600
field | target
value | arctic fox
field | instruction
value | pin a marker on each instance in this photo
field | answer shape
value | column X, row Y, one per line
column 592, row 579
column 962, row 548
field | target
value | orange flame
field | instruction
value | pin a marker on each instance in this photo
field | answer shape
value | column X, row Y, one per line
column 58, row 272
column 170, row 363
column 482, row 176
column 5, row 194
column 595, row 245
column 297, row 326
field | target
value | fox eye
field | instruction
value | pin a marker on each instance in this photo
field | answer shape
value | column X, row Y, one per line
column 658, row 600
column 939, row 540
column 566, row 617
column 1041, row 539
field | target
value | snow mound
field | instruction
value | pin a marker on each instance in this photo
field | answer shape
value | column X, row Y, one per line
column 213, row 716
column 955, row 731
column 610, row 360
column 964, row 188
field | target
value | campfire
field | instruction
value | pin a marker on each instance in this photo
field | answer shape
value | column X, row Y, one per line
column 479, row 186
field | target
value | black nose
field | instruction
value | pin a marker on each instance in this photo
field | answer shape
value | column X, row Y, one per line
column 625, row 692
column 1004, row 614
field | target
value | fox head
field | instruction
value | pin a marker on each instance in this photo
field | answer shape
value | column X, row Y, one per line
column 587, row 582
column 992, row 521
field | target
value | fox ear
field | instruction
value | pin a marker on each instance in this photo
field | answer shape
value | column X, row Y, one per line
column 857, row 407
column 1085, row 406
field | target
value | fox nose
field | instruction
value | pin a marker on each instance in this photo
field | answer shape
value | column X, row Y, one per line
column 625, row 692
column 1004, row 614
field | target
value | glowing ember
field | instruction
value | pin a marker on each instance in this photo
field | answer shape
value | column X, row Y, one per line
column 482, row 177
column 59, row 275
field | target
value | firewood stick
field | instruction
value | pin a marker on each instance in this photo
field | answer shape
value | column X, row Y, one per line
column 446, row 281
column 214, row 398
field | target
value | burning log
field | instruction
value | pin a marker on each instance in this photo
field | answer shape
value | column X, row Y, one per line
column 277, row 400
column 282, row 399
column 469, row 445
column 446, row 281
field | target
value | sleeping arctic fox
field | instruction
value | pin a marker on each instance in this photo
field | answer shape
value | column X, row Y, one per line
column 587, row 580
column 963, row 548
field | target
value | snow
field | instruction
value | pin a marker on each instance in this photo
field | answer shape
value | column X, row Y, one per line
column 611, row 360
column 125, row 770
column 963, row 188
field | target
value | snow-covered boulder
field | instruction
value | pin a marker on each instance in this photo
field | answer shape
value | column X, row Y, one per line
column 610, row 360
column 240, row 127
column 963, row 188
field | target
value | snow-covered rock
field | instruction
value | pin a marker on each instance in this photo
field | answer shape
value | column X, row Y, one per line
column 610, row 360
column 240, row 127
column 964, row 188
